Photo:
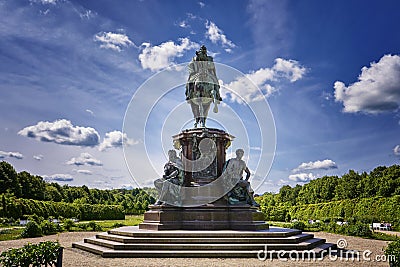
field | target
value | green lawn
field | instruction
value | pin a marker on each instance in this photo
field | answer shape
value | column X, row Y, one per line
column 10, row 233
column 130, row 220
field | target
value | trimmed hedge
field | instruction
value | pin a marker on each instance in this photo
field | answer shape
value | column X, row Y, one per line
column 374, row 209
column 18, row 207
column 366, row 209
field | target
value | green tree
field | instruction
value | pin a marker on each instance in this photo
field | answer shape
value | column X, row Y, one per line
column 33, row 187
column 52, row 194
column 9, row 182
column 347, row 186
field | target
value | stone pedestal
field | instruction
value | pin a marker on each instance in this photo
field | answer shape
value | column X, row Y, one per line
column 206, row 217
column 197, row 143
column 203, row 154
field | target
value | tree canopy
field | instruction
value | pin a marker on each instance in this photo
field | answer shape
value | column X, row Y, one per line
column 27, row 186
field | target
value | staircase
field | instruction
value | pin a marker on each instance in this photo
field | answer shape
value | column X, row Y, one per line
column 132, row 242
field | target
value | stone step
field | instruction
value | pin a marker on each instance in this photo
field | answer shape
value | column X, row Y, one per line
column 200, row 225
column 134, row 242
column 304, row 245
column 134, row 231
column 215, row 225
column 201, row 240
column 109, row 253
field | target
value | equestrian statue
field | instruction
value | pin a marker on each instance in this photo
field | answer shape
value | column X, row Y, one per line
column 202, row 87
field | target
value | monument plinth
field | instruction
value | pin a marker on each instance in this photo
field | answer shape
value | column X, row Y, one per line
column 207, row 217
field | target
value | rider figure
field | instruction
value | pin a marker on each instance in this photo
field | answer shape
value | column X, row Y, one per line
column 202, row 64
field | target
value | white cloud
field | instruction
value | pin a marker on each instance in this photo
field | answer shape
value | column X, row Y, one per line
column 290, row 69
column 44, row 2
column 396, row 150
column 47, row 11
column 183, row 24
column 85, row 159
column 87, row 172
column 202, row 4
column 114, row 41
column 326, row 164
column 48, row 1
column 191, row 15
column 87, row 14
column 38, row 157
column 115, row 139
column 282, row 182
column 161, row 56
column 62, row 132
column 4, row 154
column 377, row 89
column 216, row 35
column 248, row 86
column 58, row 177
column 90, row 111
column 301, row 177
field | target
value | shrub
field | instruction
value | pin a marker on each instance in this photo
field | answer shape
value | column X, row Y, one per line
column 3, row 221
column 5, row 231
column 298, row 225
column 12, row 221
column 42, row 254
column 331, row 227
column 326, row 220
column 35, row 218
column 83, row 226
column 68, row 224
column 94, row 226
column 317, row 226
column 32, row 229
column 49, row 228
column 116, row 225
column 392, row 252
column 359, row 229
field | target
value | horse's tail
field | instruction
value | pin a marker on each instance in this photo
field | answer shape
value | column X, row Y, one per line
column 215, row 109
column 215, row 100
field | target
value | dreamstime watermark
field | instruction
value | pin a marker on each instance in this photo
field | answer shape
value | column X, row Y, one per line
column 332, row 254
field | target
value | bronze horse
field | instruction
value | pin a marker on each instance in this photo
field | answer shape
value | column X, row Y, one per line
column 202, row 87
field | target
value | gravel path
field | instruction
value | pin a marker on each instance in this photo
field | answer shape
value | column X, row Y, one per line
column 76, row 257
column 389, row 232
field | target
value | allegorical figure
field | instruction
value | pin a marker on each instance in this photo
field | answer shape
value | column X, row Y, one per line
column 242, row 193
column 202, row 87
column 168, row 186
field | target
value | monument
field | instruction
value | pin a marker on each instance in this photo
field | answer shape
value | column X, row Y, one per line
column 201, row 190
column 205, row 205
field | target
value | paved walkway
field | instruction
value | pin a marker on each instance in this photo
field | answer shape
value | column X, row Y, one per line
column 388, row 232
column 76, row 257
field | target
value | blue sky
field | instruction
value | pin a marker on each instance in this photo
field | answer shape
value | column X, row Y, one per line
column 330, row 72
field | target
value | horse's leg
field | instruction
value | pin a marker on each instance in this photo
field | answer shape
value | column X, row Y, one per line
column 189, row 90
column 206, row 108
column 201, row 111
column 195, row 111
